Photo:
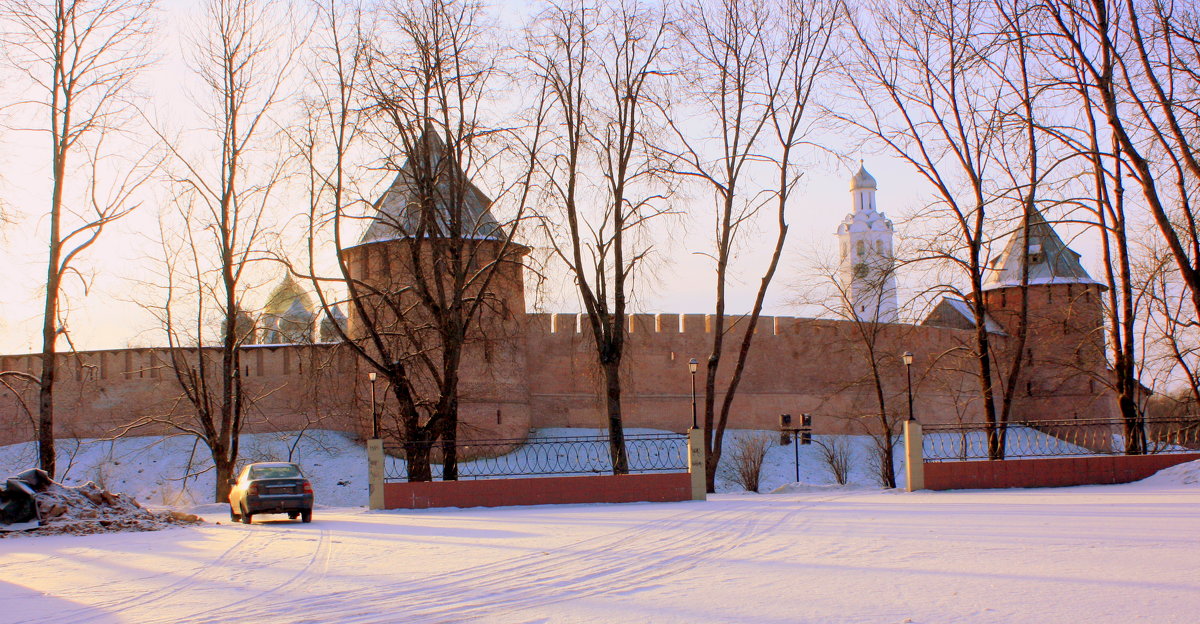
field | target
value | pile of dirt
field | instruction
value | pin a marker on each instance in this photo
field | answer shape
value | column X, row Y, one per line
column 88, row 509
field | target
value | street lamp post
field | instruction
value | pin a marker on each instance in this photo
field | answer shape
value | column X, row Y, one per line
column 908, row 360
column 374, row 415
column 692, row 366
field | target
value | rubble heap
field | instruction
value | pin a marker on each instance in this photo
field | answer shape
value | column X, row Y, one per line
column 77, row 510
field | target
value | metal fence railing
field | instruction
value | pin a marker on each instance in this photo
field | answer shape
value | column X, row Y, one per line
column 1059, row 438
column 557, row 456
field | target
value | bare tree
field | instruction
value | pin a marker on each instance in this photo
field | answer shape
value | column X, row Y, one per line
column 1140, row 62
column 1169, row 332
column 1108, row 204
column 837, row 454
column 226, row 177
column 746, row 461
column 938, row 88
column 80, row 58
column 751, row 68
column 598, row 65
column 425, row 93
column 871, row 348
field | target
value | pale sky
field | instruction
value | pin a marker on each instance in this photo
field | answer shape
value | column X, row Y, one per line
column 128, row 255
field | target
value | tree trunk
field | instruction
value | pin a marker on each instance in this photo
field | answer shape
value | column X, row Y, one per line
column 1134, row 428
column 612, row 407
column 224, row 468
column 416, row 453
column 886, row 444
column 449, row 435
column 45, row 431
column 887, row 454
column 995, row 436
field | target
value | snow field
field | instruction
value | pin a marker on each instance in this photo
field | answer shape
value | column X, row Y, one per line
column 1088, row 554
column 812, row 552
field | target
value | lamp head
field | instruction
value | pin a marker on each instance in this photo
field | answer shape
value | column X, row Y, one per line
column 693, row 365
column 908, row 358
column 371, row 376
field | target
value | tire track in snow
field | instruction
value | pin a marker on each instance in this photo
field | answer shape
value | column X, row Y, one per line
column 340, row 605
column 313, row 571
column 104, row 610
column 611, row 563
column 609, row 573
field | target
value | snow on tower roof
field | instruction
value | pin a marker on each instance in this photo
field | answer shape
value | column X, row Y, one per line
column 1050, row 260
column 863, row 180
column 398, row 211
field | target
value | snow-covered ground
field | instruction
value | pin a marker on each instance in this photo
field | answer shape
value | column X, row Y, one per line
column 1088, row 554
column 811, row 553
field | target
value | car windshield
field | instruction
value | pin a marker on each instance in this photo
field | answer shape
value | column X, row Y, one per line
column 274, row 472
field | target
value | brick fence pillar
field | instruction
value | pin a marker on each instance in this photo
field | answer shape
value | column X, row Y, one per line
column 914, row 458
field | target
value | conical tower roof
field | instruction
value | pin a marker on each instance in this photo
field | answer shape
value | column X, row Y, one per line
column 1050, row 260
column 399, row 213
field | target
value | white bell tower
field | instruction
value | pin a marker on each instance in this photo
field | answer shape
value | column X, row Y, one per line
column 866, row 273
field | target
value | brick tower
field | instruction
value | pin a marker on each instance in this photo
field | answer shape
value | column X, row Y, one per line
column 430, row 217
column 1064, row 373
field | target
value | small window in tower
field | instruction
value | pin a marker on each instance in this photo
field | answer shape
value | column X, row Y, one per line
column 1029, row 388
column 862, row 249
column 879, row 247
column 1035, row 255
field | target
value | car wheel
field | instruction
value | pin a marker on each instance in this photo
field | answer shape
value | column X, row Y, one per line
column 246, row 517
column 306, row 515
column 293, row 515
column 234, row 516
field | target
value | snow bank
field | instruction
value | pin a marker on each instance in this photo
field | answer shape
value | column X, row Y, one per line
column 1184, row 474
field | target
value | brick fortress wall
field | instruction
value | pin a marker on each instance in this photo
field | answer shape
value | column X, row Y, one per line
column 797, row 366
column 538, row 370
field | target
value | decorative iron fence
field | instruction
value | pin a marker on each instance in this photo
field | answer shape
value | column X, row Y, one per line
column 1059, row 438
column 540, row 457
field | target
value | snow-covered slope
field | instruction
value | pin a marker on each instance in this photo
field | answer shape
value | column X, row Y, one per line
column 176, row 471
